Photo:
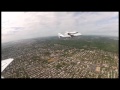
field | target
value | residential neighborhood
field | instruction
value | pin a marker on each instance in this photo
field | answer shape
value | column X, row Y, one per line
column 48, row 60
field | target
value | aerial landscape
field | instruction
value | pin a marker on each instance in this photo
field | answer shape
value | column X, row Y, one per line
column 53, row 55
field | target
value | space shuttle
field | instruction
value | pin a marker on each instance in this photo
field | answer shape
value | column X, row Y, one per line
column 69, row 34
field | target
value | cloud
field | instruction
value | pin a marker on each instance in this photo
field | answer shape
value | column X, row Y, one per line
column 20, row 25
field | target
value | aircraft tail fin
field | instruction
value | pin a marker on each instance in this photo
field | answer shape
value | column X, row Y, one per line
column 60, row 35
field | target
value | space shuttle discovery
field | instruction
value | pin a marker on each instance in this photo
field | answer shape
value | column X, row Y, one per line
column 69, row 34
column 5, row 63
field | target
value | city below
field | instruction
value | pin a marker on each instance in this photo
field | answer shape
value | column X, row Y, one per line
column 53, row 57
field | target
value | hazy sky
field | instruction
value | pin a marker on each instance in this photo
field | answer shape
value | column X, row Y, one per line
column 22, row 25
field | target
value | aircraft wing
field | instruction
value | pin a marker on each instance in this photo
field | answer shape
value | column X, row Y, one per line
column 75, row 34
column 78, row 34
column 5, row 63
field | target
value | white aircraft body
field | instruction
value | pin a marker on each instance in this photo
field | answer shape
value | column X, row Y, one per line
column 69, row 34
column 5, row 63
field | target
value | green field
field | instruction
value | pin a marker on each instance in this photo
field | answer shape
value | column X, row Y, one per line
column 89, row 42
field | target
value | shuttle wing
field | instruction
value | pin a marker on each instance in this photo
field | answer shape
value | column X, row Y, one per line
column 5, row 63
